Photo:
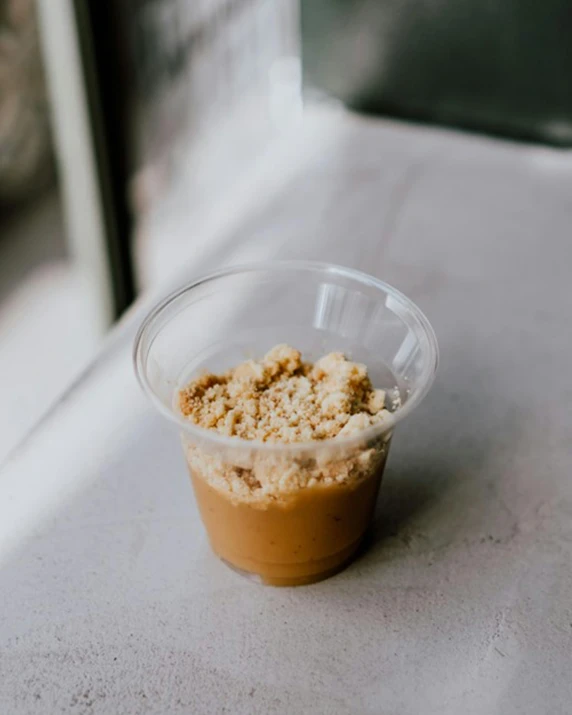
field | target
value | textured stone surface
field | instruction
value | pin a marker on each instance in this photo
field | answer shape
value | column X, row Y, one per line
column 110, row 599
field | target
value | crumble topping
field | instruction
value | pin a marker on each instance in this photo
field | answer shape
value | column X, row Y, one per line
column 283, row 399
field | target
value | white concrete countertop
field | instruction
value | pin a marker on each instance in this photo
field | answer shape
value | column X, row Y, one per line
column 110, row 601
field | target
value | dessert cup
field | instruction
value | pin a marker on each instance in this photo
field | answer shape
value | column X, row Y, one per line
column 291, row 536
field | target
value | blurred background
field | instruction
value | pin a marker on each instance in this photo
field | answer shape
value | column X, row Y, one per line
column 130, row 128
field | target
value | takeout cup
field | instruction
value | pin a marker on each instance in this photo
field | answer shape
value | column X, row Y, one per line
column 308, row 533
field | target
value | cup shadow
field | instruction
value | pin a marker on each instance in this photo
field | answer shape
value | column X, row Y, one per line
column 406, row 495
column 444, row 477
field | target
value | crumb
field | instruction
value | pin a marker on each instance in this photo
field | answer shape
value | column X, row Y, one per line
column 283, row 400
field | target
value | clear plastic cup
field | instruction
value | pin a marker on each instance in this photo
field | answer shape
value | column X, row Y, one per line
column 309, row 533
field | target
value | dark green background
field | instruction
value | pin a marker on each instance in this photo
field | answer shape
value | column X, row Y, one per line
column 499, row 66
